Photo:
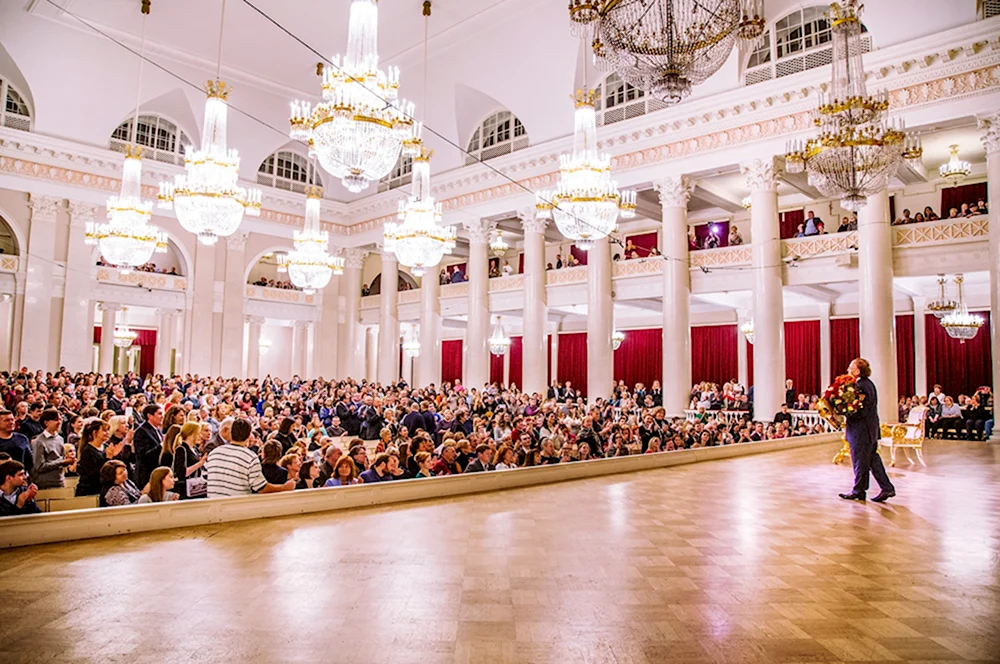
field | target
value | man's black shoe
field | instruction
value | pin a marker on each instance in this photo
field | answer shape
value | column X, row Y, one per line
column 884, row 496
column 853, row 496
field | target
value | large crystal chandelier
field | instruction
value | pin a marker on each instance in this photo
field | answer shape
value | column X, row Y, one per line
column 747, row 330
column 497, row 245
column 124, row 335
column 207, row 198
column 411, row 342
column 857, row 149
column 498, row 342
column 956, row 170
column 960, row 324
column 309, row 264
column 666, row 46
column 359, row 128
column 617, row 339
column 586, row 203
column 943, row 305
column 420, row 241
column 128, row 240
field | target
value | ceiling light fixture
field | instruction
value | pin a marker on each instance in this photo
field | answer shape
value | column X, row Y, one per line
column 956, row 170
column 310, row 264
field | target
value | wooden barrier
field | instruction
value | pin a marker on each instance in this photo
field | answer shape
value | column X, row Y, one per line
column 83, row 524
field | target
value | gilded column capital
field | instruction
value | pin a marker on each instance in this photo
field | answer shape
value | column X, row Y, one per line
column 479, row 230
column 990, row 126
column 760, row 175
column 674, row 191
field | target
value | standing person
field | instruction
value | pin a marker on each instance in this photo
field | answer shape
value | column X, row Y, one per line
column 12, row 442
column 234, row 469
column 49, row 453
column 862, row 433
column 92, row 456
column 147, row 443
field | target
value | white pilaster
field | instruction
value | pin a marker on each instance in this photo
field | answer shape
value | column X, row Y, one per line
column 254, row 324
column 919, row 346
column 326, row 336
column 429, row 361
column 351, row 361
column 676, row 379
column 768, row 312
column 990, row 126
column 742, row 368
column 77, row 316
column 824, row 346
column 388, row 321
column 6, row 327
column 554, row 364
column 199, row 351
column 233, row 296
column 875, row 304
column 106, row 358
column 299, row 342
column 36, row 322
column 600, row 322
column 165, row 341
column 477, row 367
column 533, row 346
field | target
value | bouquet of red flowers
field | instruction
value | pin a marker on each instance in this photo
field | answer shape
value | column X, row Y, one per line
column 841, row 399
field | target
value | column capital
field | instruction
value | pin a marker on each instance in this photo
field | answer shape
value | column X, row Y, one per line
column 166, row 312
column 479, row 230
column 387, row 256
column 109, row 306
column 760, row 174
column 237, row 241
column 255, row 320
column 674, row 190
column 301, row 324
column 354, row 258
column 81, row 213
column 990, row 126
column 531, row 221
column 44, row 208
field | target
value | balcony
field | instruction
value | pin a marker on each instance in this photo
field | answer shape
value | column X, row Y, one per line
column 282, row 295
column 152, row 280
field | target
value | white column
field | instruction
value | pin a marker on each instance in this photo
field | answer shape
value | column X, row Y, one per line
column 429, row 362
column 388, row 321
column 600, row 322
column 310, row 341
column 875, row 303
column 78, row 313
column 352, row 337
column 199, row 351
column 409, row 367
column 254, row 324
column 990, row 126
column 477, row 365
column 535, row 304
column 506, row 369
column 36, row 321
column 371, row 353
column 824, row 346
column 106, row 358
column 768, row 312
column 233, row 297
column 676, row 379
column 326, row 336
column 299, row 340
column 164, row 341
column 743, row 371
column 6, row 325
column 919, row 346
column 554, row 365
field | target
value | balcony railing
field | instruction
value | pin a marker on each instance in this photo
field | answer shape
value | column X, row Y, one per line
column 279, row 295
column 944, row 231
column 171, row 282
column 817, row 245
column 637, row 267
column 567, row 275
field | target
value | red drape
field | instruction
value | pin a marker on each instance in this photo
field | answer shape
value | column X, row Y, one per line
column 146, row 340
column 451, row 361
column 802, row 355
column 640, row 357
column 892, row 207
column 516, row 361
column 548, row 355
column 520, row 264
column 958, row 368
column 496, row 369
column 749, row 363
column 790, row 221
column 573, row 360
column 721, row 228
column 905, row 374
column 845, row 344
column 713, row 353
column 644, row 243
column 579, row 254
column 953, row 197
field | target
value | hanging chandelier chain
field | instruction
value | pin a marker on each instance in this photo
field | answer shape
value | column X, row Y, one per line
column 222, row 26
column 138, row 86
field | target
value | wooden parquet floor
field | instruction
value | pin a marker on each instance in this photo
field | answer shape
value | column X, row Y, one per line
column 751, row 560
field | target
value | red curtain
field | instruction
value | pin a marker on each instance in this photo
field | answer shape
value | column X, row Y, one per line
column 721, row 229
column 496, row 369
column 802, row 355
column 146, row 340
column 548, row 355
column 958, row 368
column 640, row 357
column 579, row 254
column 644, row 242
column 892, row 208
column 790, row 221
column 713, row 353
column 845, row 344
column 451, row 361
column 516, row 361
column 905, row 374
column 953, row 197
column 573, row 360
column 520, row 264
column 749, row 363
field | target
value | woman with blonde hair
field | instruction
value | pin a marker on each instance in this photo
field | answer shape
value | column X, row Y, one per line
column 161, row 481
column 186, row 463
column 170, row 443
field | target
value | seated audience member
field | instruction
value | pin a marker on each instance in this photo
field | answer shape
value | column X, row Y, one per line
column 379, row 472
column 976, row 416
column 270, row 456
column 234, row 470
column 161, row 481
column 17, row 495
column 117, row 489
column 308, row 474
column 345, row 473
column 331, row 456
column 423, row 461
column 905, row 219
column 31, row 426
column 504, row 459
column 951, row 418
column 929, row 214
column 848, row 223
column 447, row 464
column 482, row 461
column 735, row 239
column 783, row 416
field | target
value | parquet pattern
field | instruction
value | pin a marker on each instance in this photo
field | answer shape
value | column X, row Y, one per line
column 751, row 560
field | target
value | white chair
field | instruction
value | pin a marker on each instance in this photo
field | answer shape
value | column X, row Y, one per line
column 906, row 436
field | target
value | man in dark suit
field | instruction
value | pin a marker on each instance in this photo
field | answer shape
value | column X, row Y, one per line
column 555, row 391
column 481, row 463
column 862, row 433
column 147, row 443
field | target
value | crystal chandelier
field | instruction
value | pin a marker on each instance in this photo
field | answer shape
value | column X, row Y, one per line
column 498, row 246
column 411, row 343
column 586, row 203
column 956, row 170
column 499, row 342
column 124, row 336
column 617, row 337
column 942, row 306
column 309, row 264
column 960, row 324
column 420, row 241
column 359, row 128
column 747, row 330
column 263, row 346
column 666, row 46
column 128, row 240
column 857, row 149
column 746, row 203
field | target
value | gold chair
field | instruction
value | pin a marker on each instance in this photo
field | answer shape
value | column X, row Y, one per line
column 907, row 436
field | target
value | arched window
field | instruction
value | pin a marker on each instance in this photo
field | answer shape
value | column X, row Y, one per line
column 160, row 138
column 798, row 41
column 14, row 114
column 400, row 176
column 288, row 170
column 617, row 100
column 499, row 134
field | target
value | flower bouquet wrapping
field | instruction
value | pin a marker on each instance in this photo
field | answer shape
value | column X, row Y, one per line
column 841, row 399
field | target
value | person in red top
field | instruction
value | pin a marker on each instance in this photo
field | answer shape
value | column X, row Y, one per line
column 446, row 465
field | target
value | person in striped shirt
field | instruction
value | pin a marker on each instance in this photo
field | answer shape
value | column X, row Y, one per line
column 234, row 469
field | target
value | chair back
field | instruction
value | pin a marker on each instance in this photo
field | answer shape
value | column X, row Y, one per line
column 917, row 415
